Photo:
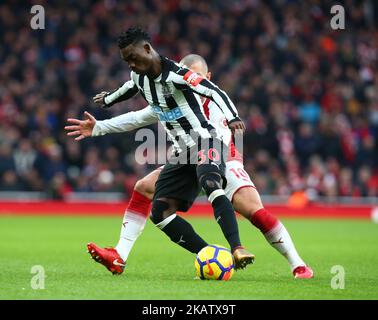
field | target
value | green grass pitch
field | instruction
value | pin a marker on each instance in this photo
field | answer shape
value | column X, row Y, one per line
column 159, row 269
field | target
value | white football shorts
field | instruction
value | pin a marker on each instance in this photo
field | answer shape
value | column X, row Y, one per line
column 237, row 178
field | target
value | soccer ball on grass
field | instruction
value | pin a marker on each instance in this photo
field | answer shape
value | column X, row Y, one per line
column 214, row 262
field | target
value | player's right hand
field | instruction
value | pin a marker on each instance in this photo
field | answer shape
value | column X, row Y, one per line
column 81, row 128
column 237, row 126
column 99, row 98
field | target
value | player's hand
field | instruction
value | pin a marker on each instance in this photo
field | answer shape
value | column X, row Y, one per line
column 99, row 98
column 81, row 128
column 236, row 126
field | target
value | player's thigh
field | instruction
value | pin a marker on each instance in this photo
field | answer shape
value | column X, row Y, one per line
column 146, row 185
column 241, row 190
column 178, row 182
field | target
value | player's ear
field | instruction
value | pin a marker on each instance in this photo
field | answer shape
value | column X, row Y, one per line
column 147, row 47
column 208, row 75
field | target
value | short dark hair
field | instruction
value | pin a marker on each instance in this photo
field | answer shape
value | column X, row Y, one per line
column 132, row 35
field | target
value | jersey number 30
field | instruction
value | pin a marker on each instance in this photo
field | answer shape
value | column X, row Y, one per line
column 212, row 155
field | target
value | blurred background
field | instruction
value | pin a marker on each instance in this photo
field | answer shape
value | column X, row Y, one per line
column 307, row 93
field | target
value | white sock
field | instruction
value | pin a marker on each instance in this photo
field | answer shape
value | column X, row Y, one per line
column 280, row 239
column 132, row 226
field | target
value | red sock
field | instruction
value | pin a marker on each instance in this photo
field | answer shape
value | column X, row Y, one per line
column 139, row 204
column 263, row 220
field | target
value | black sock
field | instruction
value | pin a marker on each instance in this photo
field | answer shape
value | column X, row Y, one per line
column 225, row 216
column 181, row 232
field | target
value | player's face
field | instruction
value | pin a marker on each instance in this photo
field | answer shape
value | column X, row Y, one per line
column 138, row 57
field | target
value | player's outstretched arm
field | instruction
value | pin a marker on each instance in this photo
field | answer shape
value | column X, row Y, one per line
column 126, row 122
column 123, row 123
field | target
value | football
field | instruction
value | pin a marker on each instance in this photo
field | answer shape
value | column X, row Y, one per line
column 214, row 262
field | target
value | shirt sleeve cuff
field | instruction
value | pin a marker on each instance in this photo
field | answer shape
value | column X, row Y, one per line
column 97, row 129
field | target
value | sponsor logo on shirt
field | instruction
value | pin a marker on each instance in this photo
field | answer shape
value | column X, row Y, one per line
column 170, row 115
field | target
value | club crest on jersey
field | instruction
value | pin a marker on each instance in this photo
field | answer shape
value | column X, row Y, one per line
column 166, row 90
column 192, row 78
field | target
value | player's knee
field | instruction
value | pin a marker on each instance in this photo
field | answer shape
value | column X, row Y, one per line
column 160, row 211
column 142, row 187
column 247, row 201
column 248, row 206
column 212, row 184
column 249, row 211
column 254, row 206
column 157, row 211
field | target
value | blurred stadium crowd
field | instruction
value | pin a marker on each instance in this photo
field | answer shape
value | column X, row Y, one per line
column 307, row 94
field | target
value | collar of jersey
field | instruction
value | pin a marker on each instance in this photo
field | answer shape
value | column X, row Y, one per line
column 165, row 67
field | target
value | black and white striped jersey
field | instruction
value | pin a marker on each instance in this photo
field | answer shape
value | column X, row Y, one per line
column 173, row 97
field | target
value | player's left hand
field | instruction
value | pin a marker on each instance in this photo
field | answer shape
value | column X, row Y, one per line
column 236, row 126
column 81, row 128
